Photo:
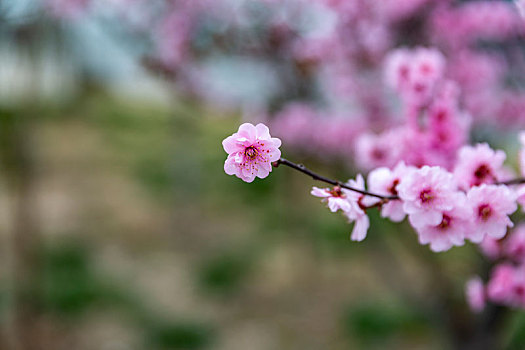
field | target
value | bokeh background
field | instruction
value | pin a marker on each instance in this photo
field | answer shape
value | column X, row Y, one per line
column 120, row 229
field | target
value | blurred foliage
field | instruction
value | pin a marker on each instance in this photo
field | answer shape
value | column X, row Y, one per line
column 224, row 274
column 69, row 286
column 374, row 324
column 180, row 335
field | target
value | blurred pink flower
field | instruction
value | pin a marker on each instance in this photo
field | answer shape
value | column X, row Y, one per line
column 491, row 205
column 414, row 73
column 507, row 285
column 478, row 165
column 475, row 293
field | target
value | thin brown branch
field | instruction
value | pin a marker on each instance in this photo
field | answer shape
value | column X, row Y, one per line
column 301, row 168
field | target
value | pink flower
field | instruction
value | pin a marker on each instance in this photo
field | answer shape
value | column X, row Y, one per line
column 414, row 73
column 378, row 150
column 475, row 292
column 427, row 193
column 514, row 246
column 385, row 181
column 500, row 283
column 491, row 247
column 491, row 205
column 251, row 152
column 507, row 285
column 478, row 165
column 351, row 203
column 452, row 228
column 336, row 198
column 357, row 214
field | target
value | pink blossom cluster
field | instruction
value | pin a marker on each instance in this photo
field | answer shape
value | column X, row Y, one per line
column 434, row 126
column 479, row 20
column 506, row 284
column 457, row 67
column 446, row 208
column 339, row 64
column 470, row 202
column 299, row 124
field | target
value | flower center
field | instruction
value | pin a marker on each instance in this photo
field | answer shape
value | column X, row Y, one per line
column 251, row 152
column 484, row 211
column 426, row 196
column 378, row 154
column 445, row 223
column 393, row 188
column 336, row 192
column 482, row 172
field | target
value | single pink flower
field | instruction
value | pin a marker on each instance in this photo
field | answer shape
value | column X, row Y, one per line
column 251, row 151
column 385, row 181
column 356, row 213
column 478, row 165
column 500, row 283
column 336, row 198
column 507, row 285
column 426, row 194
column 475, row 292
column 351, row 203
column 373, row 151
column 452, row 228
column 491, row 205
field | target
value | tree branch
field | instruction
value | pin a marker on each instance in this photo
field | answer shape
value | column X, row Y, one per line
column 301, row 168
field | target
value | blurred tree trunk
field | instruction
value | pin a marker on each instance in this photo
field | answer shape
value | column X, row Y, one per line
column 20, row 173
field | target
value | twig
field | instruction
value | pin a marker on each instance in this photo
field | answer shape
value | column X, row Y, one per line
column 301, row 168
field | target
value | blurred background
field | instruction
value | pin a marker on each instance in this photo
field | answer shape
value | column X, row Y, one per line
column 120, row 229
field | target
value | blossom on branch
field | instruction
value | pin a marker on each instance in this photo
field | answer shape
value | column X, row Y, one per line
column 452, row 228
column 478, row 165
column 491, row 205
column 251, row 151
column 385, row 181
column 427, row 193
